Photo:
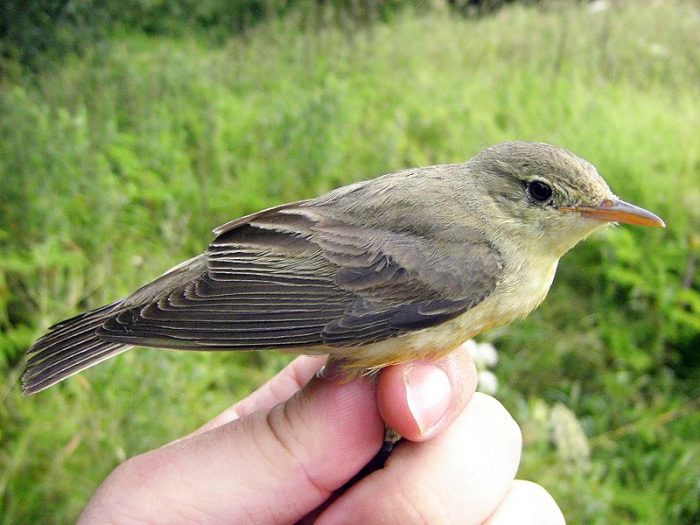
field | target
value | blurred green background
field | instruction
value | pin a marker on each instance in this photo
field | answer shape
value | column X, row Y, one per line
column 129, row 129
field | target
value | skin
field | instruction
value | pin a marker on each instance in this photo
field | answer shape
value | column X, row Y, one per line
column 300, row 437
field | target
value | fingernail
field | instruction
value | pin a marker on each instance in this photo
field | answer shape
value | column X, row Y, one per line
column 428, row 393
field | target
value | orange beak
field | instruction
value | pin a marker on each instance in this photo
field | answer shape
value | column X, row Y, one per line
column 618, row 211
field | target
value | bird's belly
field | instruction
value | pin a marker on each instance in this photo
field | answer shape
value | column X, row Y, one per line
column 511, row 300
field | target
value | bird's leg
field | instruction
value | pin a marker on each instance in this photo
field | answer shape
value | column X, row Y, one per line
column 391, row 437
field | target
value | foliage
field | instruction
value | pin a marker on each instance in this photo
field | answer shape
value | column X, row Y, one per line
column 37, row 32
column 114, row 164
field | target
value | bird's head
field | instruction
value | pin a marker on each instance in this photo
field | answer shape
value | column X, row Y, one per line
column 547, row 197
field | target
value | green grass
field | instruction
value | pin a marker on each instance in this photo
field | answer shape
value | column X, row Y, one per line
column 116, row 164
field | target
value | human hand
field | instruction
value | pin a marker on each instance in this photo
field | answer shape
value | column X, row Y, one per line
column 280, row 453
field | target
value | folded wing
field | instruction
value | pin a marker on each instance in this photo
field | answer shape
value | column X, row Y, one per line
column 289, row 277
column 294, row 278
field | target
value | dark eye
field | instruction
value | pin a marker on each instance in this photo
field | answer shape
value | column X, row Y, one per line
column 539, row 191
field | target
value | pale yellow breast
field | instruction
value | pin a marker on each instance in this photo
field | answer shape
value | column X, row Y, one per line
column 521, row 290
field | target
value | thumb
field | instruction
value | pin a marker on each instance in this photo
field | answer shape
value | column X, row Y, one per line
column 420, row 399
column 267, row 467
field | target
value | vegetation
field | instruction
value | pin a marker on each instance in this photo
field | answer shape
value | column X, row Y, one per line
column 115, row 163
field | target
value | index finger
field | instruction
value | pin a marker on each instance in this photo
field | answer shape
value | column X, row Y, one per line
column 279, row 389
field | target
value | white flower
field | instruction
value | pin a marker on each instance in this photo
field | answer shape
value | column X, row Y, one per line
column 488, row 354
column 569, row 437
column 598, row 6
column 488, row 382
column 483, row 354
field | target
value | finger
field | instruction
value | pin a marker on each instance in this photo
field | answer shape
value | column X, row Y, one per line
column 280, row 388
column 418, row 400
column 527, row 503
column 459, row 476
column 270, row 467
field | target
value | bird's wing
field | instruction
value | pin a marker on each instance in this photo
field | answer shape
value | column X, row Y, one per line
column 293, row 277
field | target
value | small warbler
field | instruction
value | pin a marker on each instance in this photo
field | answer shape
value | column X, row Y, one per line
column 403, row 267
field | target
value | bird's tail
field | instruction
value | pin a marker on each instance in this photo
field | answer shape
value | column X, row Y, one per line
column 68, row 348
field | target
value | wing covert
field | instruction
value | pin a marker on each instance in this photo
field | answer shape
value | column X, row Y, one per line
column 292, row 277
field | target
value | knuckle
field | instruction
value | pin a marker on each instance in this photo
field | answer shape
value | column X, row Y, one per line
column 284, row 430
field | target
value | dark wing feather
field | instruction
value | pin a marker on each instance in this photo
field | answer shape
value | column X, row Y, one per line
column 291, row 277
column 288, row 277
column 404, row 282
column 70, row 346
column 261, row 288
column 73, row 345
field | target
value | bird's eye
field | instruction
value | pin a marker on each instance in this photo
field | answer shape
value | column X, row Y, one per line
column 539, row 191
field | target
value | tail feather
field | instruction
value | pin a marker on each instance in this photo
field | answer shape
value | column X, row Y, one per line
column 68, row 348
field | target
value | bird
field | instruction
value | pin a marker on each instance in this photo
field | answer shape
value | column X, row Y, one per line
column 403, row 267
